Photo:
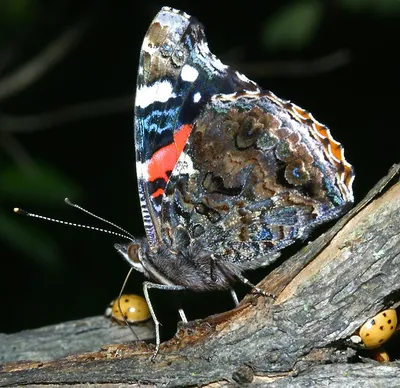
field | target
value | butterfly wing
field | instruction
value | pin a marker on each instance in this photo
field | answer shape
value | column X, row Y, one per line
column 177, row 76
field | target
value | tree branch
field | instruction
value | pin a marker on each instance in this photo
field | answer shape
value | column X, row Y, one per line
column 38, row 66
column 68, row 114
column 17, row 152
column 56, row 341
column 325, row 292
column 292, row 68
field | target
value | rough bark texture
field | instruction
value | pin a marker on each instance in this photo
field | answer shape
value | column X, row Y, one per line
column 325, row 292
column 64, row 339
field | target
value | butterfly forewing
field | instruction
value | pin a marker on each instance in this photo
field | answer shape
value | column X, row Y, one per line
column 177, row 76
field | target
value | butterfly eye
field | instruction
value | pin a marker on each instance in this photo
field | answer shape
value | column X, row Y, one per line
column 133, row 252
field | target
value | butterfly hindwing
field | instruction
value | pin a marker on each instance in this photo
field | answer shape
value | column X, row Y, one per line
column 253, row 178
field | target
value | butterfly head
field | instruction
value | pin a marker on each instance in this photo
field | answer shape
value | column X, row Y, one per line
column 132, row 252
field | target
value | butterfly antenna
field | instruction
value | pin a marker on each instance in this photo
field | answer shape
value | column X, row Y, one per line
column 68, row 202
column 28, row 214
column 119, row 304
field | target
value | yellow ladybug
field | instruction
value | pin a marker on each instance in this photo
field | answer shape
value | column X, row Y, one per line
column 377, row 330
column 133, row 307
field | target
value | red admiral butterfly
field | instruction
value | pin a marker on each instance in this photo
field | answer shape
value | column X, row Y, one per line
column 228, row 174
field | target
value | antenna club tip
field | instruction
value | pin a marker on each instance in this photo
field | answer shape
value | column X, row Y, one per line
column 19, row 211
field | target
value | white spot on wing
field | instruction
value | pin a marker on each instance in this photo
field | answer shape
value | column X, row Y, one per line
column 196, row 97
column 185, row 164
column 189, row 73
column 160, row 91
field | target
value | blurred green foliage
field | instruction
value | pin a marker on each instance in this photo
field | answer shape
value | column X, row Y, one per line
column 14, row 12
column 375, row 7
column 29, row 240
column 294, row 25
column 40, row 184
column 36, row 183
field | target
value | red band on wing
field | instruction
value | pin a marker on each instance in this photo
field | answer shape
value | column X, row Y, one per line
column 180, row 138
column 157, row 193
column 165, row 158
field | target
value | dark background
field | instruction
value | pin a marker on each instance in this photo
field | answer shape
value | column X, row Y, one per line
column 51, row 273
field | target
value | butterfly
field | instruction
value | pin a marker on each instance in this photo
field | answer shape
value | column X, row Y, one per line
column 228, row 174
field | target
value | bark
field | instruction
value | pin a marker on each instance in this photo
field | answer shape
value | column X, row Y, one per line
column 325, row 292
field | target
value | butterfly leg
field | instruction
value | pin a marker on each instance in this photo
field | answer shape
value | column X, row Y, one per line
column 234, row 297
column 256, row 289
column 183, row 316
column 243, row 280
column 168, row 287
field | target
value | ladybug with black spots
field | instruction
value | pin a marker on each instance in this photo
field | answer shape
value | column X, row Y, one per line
column 376, row 330
column 133, row 307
